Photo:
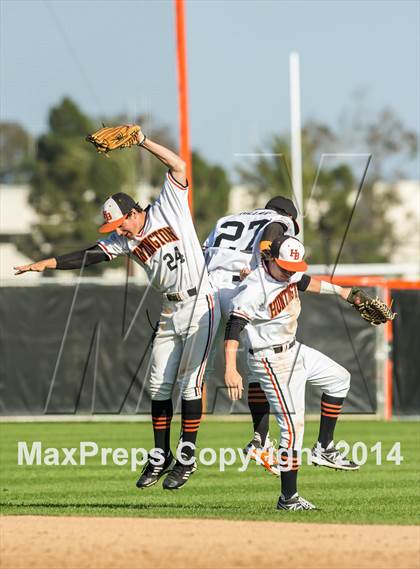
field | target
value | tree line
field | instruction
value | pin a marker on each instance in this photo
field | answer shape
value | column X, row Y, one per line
column 69, row 182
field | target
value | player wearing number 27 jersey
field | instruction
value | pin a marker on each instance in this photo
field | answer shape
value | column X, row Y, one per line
column 234, row 245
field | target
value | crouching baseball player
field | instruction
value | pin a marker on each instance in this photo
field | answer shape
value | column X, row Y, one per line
column 268, row 307
column 162, row 239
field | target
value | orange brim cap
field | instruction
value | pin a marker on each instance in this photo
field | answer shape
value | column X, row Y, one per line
column 111, row 226
column 299, row 266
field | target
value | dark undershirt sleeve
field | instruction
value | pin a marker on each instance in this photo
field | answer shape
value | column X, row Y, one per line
column 75, row 259
column 304, row 283
column 273, row 231
column 234, row 327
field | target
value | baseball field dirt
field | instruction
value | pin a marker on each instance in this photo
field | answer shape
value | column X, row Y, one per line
column 125, row 543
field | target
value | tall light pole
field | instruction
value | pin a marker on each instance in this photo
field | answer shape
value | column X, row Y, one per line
column 296, row 141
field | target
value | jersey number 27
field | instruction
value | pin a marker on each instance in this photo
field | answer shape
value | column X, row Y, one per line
column 239, row 227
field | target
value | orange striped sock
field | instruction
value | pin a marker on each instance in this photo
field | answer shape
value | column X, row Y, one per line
column 162, row 412
column 330, row 411
column 260, row 410
column 191, row 411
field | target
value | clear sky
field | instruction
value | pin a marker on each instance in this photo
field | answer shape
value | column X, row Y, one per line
column 120, row 56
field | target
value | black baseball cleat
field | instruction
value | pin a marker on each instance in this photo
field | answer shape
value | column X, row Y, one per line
column 254, row 443
column 331, row 458
column 180, row 474
column 294, row 504
column 152, row 472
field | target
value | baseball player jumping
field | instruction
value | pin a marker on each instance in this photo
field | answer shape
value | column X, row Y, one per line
column 268, row 307
column 162, row 239
column 231, row 249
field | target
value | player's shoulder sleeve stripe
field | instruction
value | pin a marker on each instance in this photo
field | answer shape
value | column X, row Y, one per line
column 175, row 182
column 105, row 250
column 240, row 315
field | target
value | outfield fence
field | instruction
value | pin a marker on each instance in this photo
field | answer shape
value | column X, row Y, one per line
column 84, row 349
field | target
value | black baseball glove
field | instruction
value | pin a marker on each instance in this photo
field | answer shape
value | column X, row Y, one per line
column 373, row 310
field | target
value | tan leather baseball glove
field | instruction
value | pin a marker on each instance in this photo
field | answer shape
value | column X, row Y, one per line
column 109, row 138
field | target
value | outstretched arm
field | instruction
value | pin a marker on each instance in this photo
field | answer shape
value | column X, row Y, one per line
column 176, row 165
column 74, row 260
column 38, row 267
column 373, row 310
column 325, row 287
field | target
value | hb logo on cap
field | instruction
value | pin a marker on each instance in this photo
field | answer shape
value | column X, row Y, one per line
column 288, row 253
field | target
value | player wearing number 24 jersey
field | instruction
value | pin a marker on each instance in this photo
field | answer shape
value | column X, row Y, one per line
column 162, row 239
column 167, row 246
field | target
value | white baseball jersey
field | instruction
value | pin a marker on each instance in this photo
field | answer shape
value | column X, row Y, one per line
column 271, row 307
column 167, row 247
column 231, row 244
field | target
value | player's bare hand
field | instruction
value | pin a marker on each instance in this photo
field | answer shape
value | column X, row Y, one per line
column 244, row 273
column 233, row 381
column 37, row 267
column 140, row 135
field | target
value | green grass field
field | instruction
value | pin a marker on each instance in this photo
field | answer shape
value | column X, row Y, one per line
column 386, row 494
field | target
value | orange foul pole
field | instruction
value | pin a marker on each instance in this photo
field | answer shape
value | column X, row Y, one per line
column 184, row 130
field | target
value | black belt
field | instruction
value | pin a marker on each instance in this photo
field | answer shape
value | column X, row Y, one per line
column 176, row 296
column 277, row 349
column 236, row 278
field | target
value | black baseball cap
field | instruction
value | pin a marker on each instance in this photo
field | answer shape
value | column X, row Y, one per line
column 115, row 209
column 281, row 204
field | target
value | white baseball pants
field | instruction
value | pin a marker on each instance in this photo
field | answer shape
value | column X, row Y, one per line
column 283, row 378
column 182, row 345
